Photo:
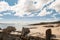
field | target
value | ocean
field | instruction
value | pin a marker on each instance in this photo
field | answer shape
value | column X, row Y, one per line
column 18, row 26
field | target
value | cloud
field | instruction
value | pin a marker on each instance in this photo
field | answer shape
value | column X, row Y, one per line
column 4, row 6
column 19, row 8
column 56, row 5
column 1, row 15
column 43, row 13
column 54, row 8
column 26, row 7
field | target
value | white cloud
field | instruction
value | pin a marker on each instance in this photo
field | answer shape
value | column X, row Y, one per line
column 43, row 13
column 27, row 6
column 56, row 5
column 4, row 6
column 46, row 1
column 1, row 15
column 31, row 15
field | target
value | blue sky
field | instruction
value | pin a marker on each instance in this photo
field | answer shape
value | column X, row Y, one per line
column 11, row 2
column 13, row 13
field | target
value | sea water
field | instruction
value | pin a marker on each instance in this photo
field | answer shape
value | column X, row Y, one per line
column 18, row 26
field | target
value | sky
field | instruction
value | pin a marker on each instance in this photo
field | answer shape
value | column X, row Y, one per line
column 29, row 11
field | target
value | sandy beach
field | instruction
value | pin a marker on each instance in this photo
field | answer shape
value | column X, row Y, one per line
column 41, row 30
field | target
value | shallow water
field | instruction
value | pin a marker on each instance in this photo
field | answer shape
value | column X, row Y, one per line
column 16, row 25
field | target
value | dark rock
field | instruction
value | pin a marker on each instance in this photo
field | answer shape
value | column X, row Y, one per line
column 48, row 34
column 25, row 31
